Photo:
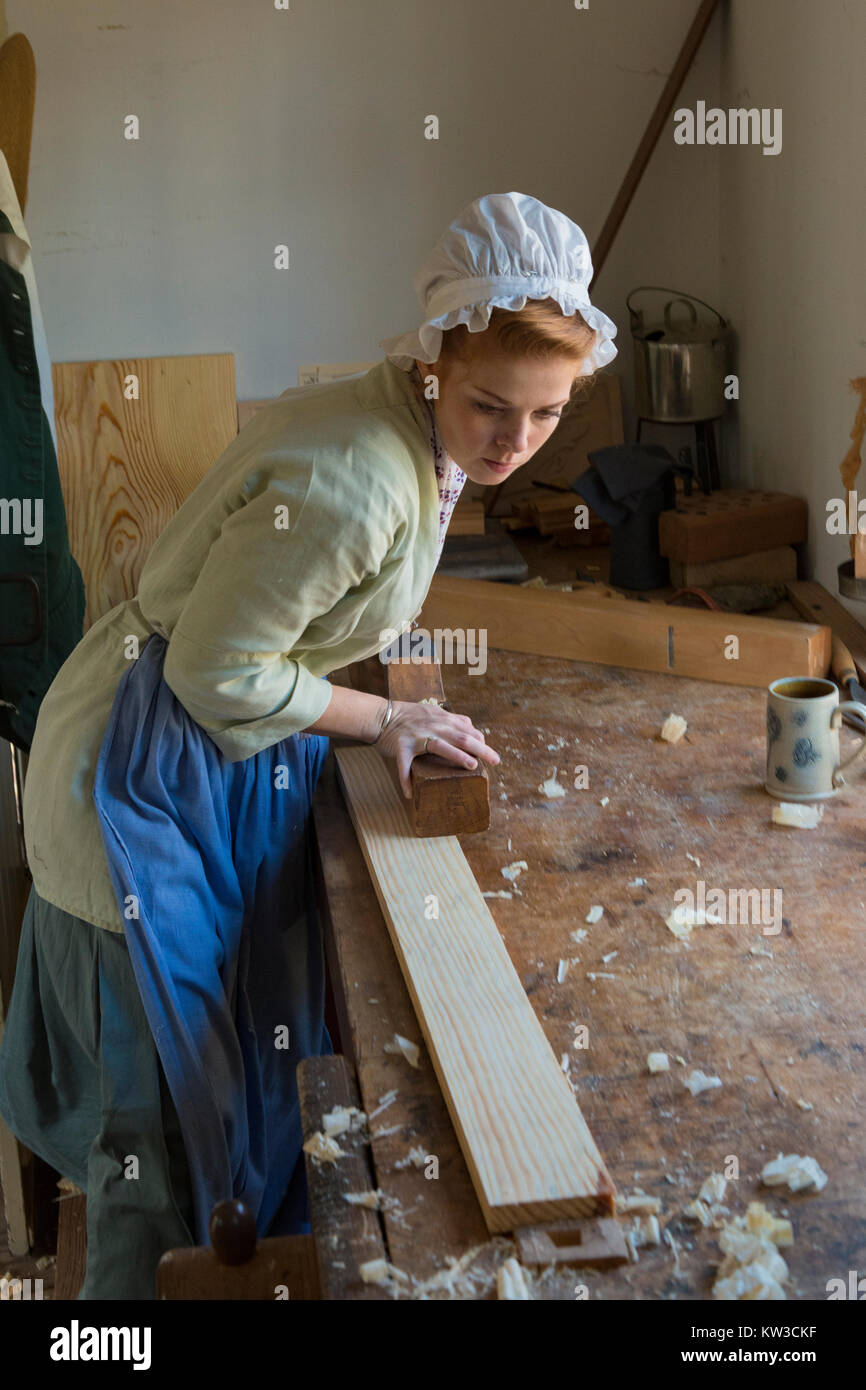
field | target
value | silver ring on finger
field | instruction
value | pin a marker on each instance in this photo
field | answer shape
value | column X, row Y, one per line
column 427, row 742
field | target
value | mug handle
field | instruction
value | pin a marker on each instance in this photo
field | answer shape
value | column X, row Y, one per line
column 836, row 720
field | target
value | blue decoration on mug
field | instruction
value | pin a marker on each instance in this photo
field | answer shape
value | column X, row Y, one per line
column 805, row 753
column 774, row 726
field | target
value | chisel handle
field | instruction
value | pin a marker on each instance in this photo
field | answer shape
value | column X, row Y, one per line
column 842, row 662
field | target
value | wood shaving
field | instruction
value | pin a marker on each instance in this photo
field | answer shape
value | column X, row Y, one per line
column 381, row 1272
column 594, row 915
column 762, row 1222
column 674, row 1248
column 384, row 1101
column 323, row 1149
column 66, row 1185
column 638, row 1202
column 458, row 1279
column 499, row 893
column 752, row 1268
column 341, row 1119
column 797, row 814
column 510, row 1283
column 551, row 788
column 658, row 1061
column 758, row 1280
column 713, row 1188
column 415, row 1156
column 699, row 1081
column 643, row 1231
column 673, row 728
column 698, row 1211
column 403, row 1047
column 512, row 871
column 799, row 1173
column 561, row 971
column 684, row 918
column 375, row 1201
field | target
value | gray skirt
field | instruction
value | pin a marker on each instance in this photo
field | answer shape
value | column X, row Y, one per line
column 82, row 1085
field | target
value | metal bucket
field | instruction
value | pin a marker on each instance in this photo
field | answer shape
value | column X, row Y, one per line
column 680, row 368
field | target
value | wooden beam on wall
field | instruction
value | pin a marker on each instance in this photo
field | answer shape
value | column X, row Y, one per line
column 528, row 1149
column 582, row 626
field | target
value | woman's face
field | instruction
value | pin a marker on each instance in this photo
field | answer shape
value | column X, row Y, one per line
column 494, row 411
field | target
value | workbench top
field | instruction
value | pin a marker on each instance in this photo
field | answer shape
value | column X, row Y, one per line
column 778, row 1017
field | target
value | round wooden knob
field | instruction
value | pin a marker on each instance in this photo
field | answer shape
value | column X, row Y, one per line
column 233, row 1232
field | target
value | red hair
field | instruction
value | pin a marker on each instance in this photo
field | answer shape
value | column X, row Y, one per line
column 540, row 330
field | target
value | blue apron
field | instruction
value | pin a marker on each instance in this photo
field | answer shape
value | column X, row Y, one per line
column 211, row 866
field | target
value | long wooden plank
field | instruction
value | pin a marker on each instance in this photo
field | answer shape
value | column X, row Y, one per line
column 526, row 1144
column 816, row 604
column 581, row 626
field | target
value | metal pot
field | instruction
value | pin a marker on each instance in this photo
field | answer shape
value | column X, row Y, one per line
column 680, row 368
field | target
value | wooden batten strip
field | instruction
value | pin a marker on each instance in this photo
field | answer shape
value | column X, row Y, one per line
column 582, row 626
column 528, row 1149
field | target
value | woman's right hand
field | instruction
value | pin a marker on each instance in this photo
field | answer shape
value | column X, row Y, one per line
column 420, row 728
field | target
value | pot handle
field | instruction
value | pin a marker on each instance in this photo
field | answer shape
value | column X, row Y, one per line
column 689, row 305
column 681, row 294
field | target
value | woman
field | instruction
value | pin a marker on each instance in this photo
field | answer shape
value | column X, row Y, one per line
column 170, row 973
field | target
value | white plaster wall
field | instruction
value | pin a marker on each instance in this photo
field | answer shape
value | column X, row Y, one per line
column 793, row 229
column 307, row 127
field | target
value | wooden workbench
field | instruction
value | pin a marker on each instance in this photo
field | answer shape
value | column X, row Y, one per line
column 776, row 1027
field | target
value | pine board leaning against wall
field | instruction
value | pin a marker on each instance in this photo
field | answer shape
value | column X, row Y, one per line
column 126, row 466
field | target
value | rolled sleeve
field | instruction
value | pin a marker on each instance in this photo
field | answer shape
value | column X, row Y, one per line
column 231, row 658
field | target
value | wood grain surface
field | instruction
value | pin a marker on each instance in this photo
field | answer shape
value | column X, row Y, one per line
column 779, row 1026
column 127, row 465
column 501, row 1080
column 643, row 636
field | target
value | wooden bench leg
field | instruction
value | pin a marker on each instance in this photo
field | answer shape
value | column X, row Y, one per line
column 71, row 1245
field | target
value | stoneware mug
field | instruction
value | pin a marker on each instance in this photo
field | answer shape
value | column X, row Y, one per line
column 803, row 718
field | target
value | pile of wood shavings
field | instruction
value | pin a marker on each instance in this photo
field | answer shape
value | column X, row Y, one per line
column 458, row 1280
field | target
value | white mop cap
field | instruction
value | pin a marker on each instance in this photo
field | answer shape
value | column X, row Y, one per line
column 500, row 251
